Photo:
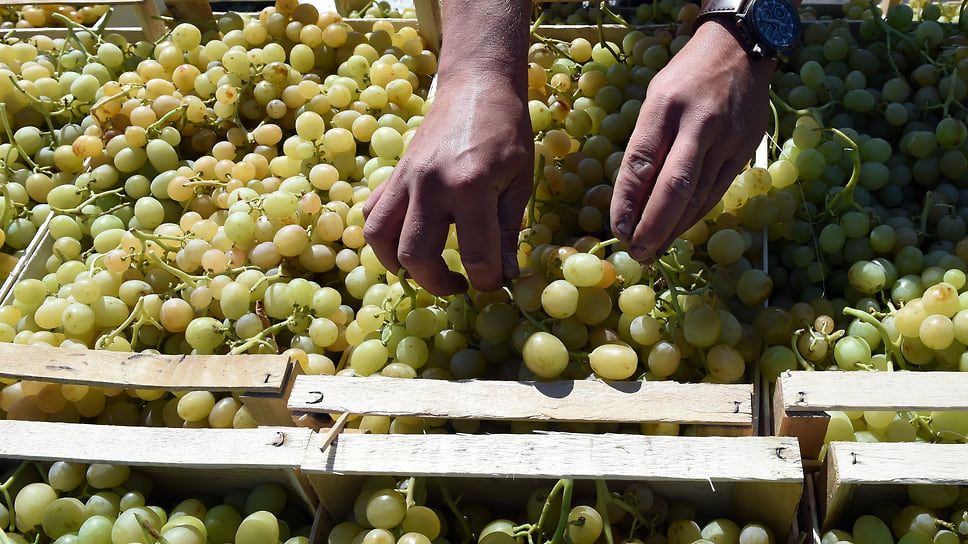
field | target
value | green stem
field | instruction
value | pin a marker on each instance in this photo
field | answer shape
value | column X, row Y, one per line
column 568, row 487
column 614, row 16
column 804, row 363
column 894, row 348
column 603, row 244
column 845, row 199
column 260, row 338
column 185, row 277
column 13, row 144
column 90, row 200
column 604, row 498
column 673, row 288
column 461, row 518
column 538, row 176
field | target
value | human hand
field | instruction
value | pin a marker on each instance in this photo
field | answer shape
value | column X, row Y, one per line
column 471, row 163
column 702, row 118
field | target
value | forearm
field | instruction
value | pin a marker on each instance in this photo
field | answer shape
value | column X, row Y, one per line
column 487, row 38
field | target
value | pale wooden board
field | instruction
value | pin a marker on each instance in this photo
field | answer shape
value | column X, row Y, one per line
column 747, row 479
column 582, row 400
column 555, row 455
column 263, row 447
column 859, row 474
column 898, row 391
column 209, row 460
column 243, row 373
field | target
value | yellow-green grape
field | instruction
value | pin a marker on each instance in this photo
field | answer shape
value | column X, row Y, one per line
column 545, row 355
column 613, row 361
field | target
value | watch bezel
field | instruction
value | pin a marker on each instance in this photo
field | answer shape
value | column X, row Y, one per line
column 749, row 19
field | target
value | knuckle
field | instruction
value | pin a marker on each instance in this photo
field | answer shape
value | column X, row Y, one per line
column 681, row 186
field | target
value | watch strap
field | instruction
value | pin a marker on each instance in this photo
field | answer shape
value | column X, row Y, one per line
column 719, row 7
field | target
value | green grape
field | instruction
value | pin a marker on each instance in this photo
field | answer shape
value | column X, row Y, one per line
column 96, row 529
column 257, row 528
column 386, row 509
column 613, row 361
column 62, row 516
column 869, row 529
column 545, row 355
column 30, row 503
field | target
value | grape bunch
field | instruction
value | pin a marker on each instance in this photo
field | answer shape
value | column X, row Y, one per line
column 382, row 10
column 77, row 503
column 931, row 513
column 413, row 512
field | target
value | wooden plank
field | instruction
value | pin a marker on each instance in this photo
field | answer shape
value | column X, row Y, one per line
column 269, row 409
column 263, row 447
column 809, row 427
column 556, row 455
column 190, row 10
column 210, row 459
column 860, row 473
column 847, row 391
column 242, row 373
column 747, row 479
column 582, row 400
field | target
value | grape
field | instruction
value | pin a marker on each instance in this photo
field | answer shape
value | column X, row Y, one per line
column 585, row 525
column 545, row 355
column 30, row 503
column 613, row 362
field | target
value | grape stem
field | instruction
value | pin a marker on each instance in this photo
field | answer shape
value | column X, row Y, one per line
column 845, row 198
column 602, row 245
column 567, row 488
column 13, row 143
column 894, row 354
column 604, row 498
column 530, row 529
column 260, row 339
column 150, row 533
column 603, row 41
column 614, row 16
column 538, row 176
column 804, row 363
column 454, row 509
column 77, row 210
column 137, row 313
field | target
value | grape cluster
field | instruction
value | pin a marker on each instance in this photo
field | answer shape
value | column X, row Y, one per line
column 644, row 13
column 411, row 512
column 932, row 513
column 76, row 503
column 382, row 10
column 888, row 426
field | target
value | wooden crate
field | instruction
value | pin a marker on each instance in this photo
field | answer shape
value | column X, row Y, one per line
column 744, row 478
column 858, row 475
column 178, row 460
column 801, row 399
column 724, row 409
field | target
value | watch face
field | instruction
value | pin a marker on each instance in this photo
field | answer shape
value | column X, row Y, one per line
column 776, row 22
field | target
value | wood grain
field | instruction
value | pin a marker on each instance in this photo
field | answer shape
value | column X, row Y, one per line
column 812, row 391
column 555, row 455
column 583, row 400
column 860, row 474
column 242, row 373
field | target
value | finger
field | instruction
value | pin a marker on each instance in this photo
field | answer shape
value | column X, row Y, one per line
column 374, row 197
column 674, row 191
column 479, row 235
column 724, row 177
column 640, row 167
column 422, row 239
column 510, row 208
column 384, row 222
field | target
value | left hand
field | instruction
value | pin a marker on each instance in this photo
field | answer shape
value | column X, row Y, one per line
column 702, row 118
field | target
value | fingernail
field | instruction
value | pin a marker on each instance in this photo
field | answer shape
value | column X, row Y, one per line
column 624, row 228
column 510, row 264
column 639, row 252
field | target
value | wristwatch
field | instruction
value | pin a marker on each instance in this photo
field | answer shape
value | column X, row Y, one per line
column 768, row 28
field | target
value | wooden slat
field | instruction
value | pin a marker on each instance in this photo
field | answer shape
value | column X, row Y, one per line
column 241, row 373
column 429, row 22
column 556, row 455
column 209, row 460
column 749, row 478
column 583, row 400
column 860, row 474
column 263, row 447
column 897, row 391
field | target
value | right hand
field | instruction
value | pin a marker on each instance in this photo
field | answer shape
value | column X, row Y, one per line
column 471, row 163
